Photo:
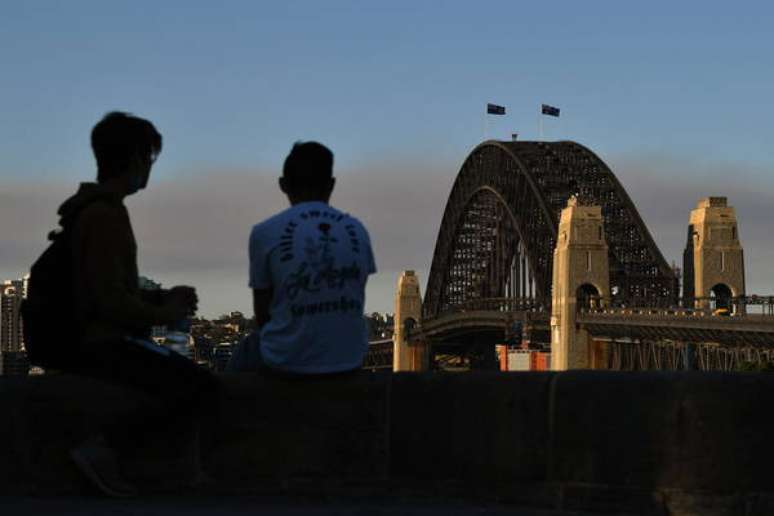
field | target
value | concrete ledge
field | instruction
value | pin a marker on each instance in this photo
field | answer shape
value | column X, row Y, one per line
column 660, row 443
column 473, row 427
column 273, row 429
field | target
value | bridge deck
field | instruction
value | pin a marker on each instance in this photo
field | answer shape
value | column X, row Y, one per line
column 742, row 330
column 463, row 323
column 673, row 323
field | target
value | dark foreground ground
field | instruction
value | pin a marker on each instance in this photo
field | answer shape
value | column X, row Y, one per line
column 688, row 444
column 230, row 505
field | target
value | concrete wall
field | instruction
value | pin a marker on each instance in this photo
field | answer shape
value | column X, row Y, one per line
column 660, row 443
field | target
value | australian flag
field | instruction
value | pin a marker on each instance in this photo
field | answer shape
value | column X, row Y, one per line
column 494, row 109
column 550, row 110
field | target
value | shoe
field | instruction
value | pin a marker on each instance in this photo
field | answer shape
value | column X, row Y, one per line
column 98, row 463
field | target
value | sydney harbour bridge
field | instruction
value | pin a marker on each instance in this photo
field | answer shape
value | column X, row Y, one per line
column 493, row 271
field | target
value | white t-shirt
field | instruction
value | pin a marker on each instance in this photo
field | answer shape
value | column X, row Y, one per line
column 317, row 260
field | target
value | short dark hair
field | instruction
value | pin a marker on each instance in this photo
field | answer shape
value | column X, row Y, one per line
column 309, row 166
column 118, row 138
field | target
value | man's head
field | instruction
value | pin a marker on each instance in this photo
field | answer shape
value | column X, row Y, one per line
column 308, row 173
column 125, row 147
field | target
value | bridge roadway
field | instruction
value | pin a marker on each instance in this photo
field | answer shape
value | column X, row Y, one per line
column 642, row 337
column 750, row 325
column 455, row 325
column 491, row 317
column 749, row 330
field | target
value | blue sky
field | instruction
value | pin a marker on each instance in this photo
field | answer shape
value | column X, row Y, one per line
column 394, row 88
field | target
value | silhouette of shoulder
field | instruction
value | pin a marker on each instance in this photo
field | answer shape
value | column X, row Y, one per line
column 102, row 213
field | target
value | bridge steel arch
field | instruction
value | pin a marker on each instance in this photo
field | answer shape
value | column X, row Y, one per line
column 506, row 202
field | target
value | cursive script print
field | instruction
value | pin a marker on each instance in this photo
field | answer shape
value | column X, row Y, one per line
column 309, row 279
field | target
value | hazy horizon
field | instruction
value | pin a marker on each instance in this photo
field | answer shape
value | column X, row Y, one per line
column 196, row 232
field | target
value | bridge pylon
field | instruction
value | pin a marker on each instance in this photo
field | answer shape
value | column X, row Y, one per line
column 408, row 355
column 713, row 261
column 581, row 276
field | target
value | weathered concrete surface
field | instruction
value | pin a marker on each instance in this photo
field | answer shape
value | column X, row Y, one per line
column 265, row 506
column 638, row 443
column 273, row 430
column 696, row 431
column 447, row 435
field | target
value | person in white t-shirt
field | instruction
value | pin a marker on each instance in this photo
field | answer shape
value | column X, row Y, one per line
column 308, row 269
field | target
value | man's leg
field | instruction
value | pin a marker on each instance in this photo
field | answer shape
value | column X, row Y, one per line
column 179, row 390
column 246, row 356
column 178, row 387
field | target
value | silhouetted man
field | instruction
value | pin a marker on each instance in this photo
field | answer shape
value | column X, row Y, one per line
column 308, row 270
column 113, row 316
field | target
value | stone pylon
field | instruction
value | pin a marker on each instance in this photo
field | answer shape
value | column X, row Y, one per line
column 407, row 355
column 580, row 274
column 713, row 261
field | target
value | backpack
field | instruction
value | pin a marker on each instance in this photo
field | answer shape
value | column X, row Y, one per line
column 49, row 317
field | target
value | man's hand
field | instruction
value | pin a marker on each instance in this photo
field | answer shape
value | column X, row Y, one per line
column 181, row 301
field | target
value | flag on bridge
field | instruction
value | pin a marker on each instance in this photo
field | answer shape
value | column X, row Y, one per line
column 494, row 109
column 549, row 110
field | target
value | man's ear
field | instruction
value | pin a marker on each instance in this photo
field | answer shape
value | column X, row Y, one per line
column 283, row 185
column 331, row 184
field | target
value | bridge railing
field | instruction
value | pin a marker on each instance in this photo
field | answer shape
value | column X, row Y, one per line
column 503, row 304
column 689, row 306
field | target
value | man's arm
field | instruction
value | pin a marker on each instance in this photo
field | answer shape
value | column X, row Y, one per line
column 101, row 253
column 261, row 303
column 260, row 278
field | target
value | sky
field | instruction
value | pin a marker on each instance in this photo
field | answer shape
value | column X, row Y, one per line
column 674, row 96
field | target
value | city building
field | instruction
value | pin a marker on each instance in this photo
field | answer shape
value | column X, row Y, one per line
column 158, row 333
column 12, row 292
column 13, row 358
column 221, row 356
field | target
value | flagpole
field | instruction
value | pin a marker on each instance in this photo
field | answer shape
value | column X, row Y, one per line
column 486, row 126
column 541, row 125
column 493, row 109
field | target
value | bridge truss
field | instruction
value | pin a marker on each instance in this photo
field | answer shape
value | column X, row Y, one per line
column 662, row 355
column 379, row 356
column 498, row 230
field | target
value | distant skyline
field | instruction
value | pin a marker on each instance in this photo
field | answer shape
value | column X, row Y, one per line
column 675, row 97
